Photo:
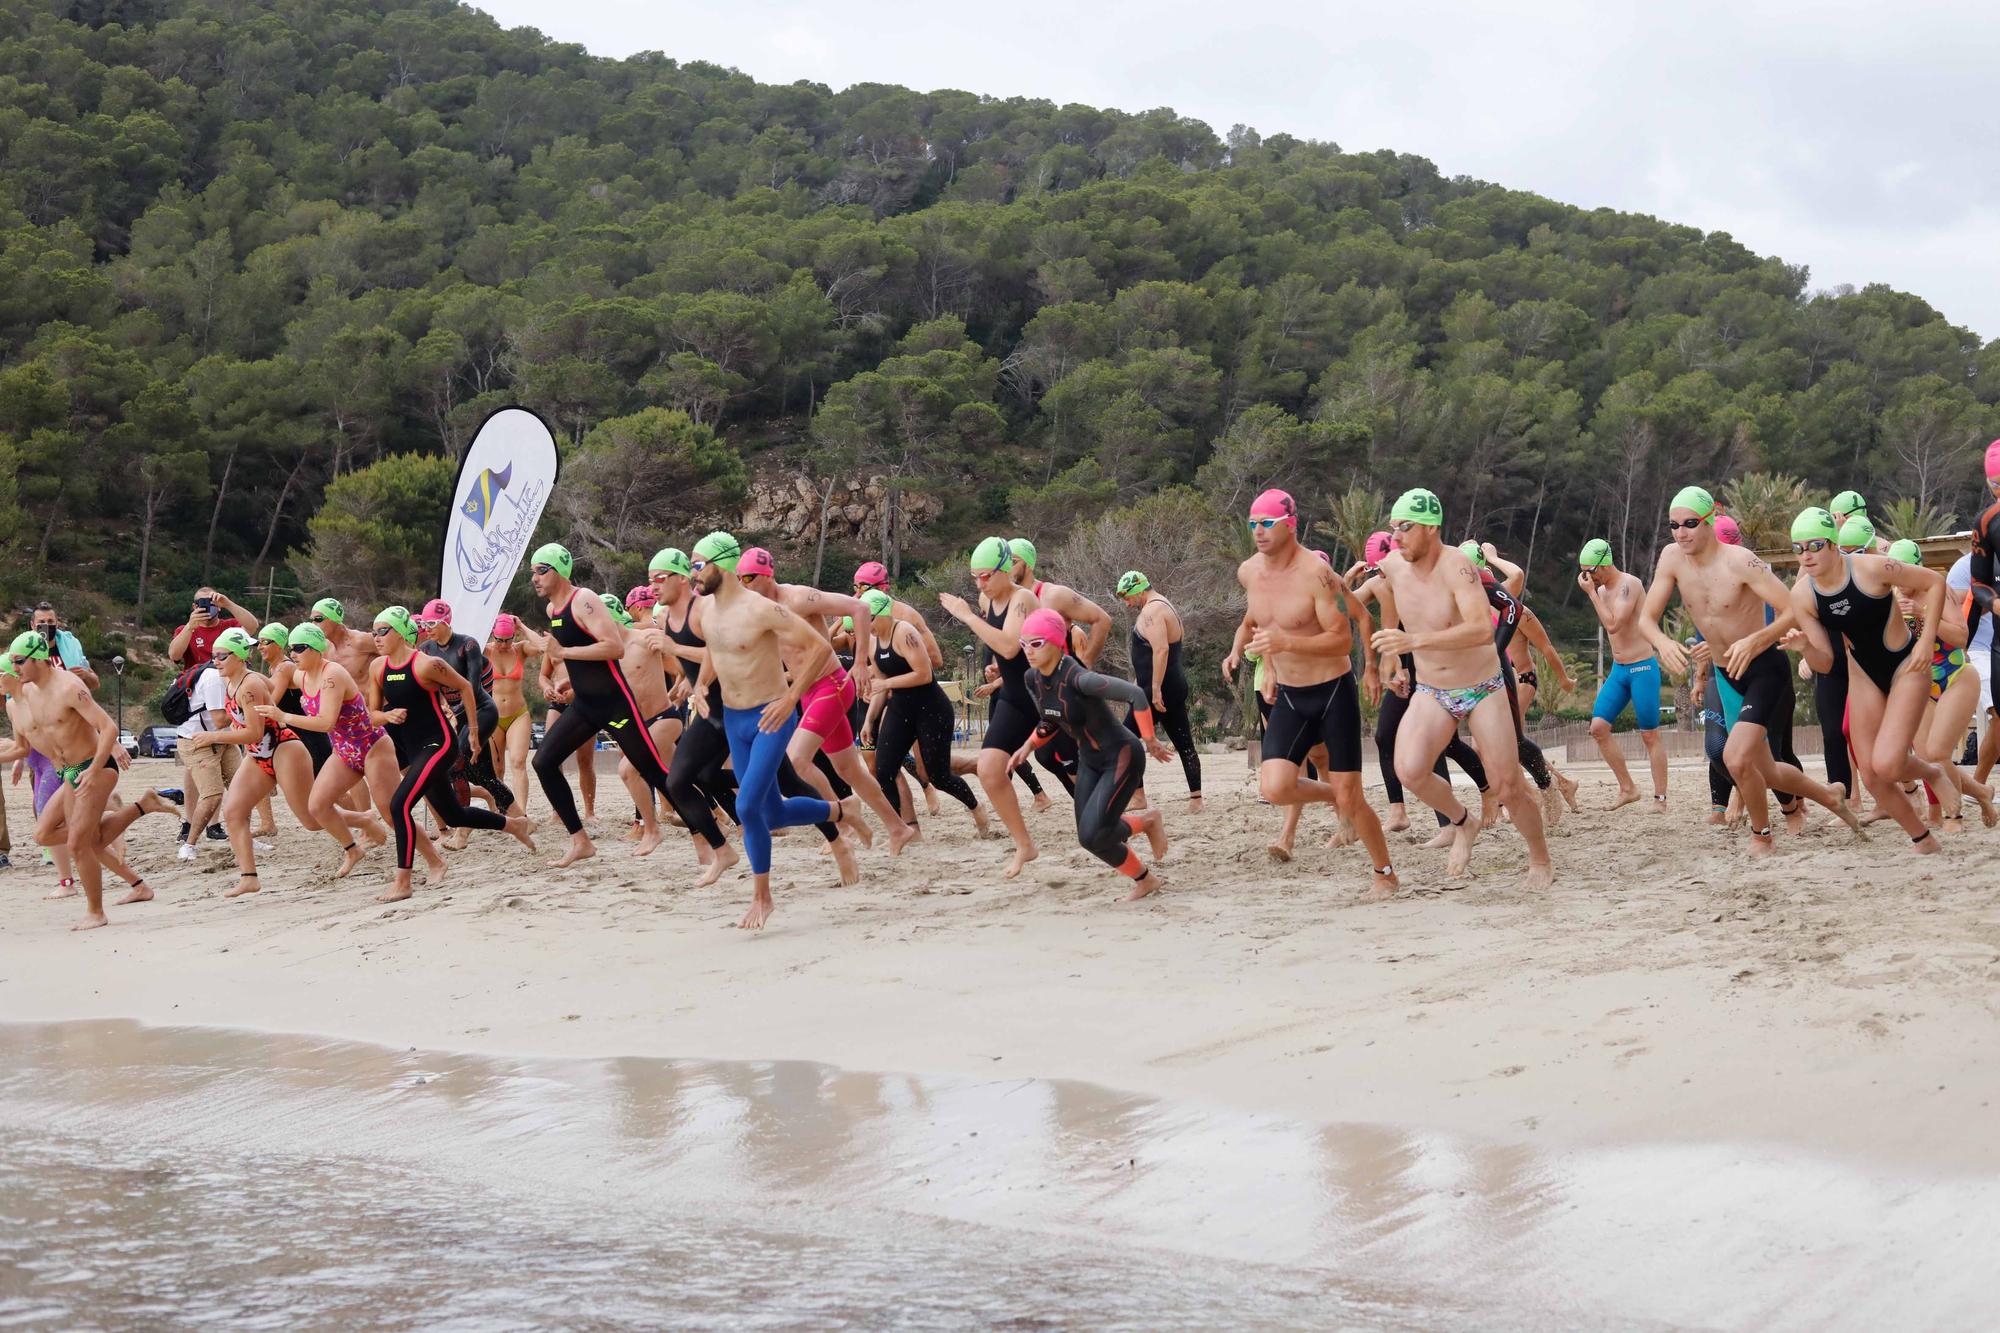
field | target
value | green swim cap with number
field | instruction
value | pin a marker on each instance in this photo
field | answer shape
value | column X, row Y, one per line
column 31, row 645
column 273, row 633
column 1470, row 550
column 671, row 560
column 1857, row 533
column 236, row 640
column 1848, row 503
column 1696, row 499
column 1131, row 583
column 719, row 548
column 555, row 557
column 399, row 619
column 1418, row 506
column 879, row 603
column 1596, row 554
column 1815, row 525
column 990, row 555
column 306, row 636
column 617, row 609
column 1906, row 551
column 329, row 609
column 1020, row 548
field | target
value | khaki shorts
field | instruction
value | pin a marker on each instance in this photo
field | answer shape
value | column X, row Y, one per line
column 209, row 770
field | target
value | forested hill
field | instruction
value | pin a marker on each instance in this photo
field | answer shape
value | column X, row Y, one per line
column 264, row 266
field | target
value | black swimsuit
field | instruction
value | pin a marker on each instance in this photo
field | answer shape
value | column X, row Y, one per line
column 1851, row 614
column 603, row 701
column 425, row 749
column 1174, row 692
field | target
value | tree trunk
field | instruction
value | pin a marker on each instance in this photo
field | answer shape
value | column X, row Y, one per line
column 49, row 528
column 145, row 554
column 277, row 512
column 215, row 513
column 825, row 508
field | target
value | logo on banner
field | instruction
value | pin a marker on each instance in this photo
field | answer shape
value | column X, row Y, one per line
column 490, row 544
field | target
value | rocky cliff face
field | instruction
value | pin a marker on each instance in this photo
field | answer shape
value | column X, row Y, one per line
column 791, row 505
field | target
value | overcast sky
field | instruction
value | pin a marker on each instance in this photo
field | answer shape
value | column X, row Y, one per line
column 1858, row 138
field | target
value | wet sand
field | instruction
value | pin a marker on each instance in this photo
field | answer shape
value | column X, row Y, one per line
column 247, row 1180
column 1838, row 997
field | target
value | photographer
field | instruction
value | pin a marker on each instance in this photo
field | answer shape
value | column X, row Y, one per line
column 211, row 613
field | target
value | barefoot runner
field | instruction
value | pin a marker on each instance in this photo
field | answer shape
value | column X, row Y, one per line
column 1435, row 595
column 1111, row 761
column 507, row 651
column 1635, row 672
column 1157, row 636
column 1726, row 590
column 1955, row 695
column 697, row 782
column 907, row 709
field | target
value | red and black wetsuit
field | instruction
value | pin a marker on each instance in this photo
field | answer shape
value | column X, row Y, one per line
column 425, row 749
column 1986, row 584
column 604, row 702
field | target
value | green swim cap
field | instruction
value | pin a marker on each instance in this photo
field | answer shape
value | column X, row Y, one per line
column 617, row 608
column 1696, row 499
column 30, row 644
column 847, row 623
column 1906, row 551
column 399, row 619
column 1848, row 503
column 236, row 640
column 1418, row 506
column 1132, row 582
column 991, row 554
column 1857, row 532
column 7, row 668
column 719, row 548
column 331, row 610
column 879, row 603
column 273, row 633
column 1020, row 548
column 1470, row 550
column 671, row 560
column 1814, row 525
column 556, row 557
column 1596, row 554
column 306, row 636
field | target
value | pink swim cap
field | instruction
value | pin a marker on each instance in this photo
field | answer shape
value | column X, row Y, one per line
column 1727, row 532
column 872, row 575
column 503, row 626
column 756, row 560
column 436, row 609
column 1275, row 503
column 1045, row 624
column 1324, row 558
column 1993, row 461
column 1377, row 547
column 643, row 595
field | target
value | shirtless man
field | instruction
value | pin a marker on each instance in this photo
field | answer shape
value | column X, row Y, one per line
column 749, row 637
column 1725, row 589
column 1635, row 673
column 1077, row 611
column 348, row 649
column 1433, row 593
column 698, row 784
column 648, row 663
column 1300, row 608
column 829, row 697
column 53, row 713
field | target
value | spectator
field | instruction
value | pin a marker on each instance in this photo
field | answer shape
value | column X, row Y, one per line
column 210, row 614
column 68, row 650
column 207, row 768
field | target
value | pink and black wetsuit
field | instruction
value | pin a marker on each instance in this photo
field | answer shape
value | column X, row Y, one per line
column 604, row 702
column 425, row 749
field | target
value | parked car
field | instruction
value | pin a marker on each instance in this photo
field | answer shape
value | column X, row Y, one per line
column 130, row 743
column 159, row 742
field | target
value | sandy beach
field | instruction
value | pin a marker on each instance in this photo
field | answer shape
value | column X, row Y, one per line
column 1838, row 997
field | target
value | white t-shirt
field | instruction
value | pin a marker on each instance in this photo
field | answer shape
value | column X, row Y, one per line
column 1959, row 581
column 211, row 691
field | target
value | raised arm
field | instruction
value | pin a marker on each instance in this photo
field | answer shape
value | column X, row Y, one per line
column 1002, row 642
column 1512, row 577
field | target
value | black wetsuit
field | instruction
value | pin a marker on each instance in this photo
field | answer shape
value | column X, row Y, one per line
column 1508, row 612
column 1011, row 717
column 1986, row 585
column 915, row 715
column 1174, row 691
column 464, row 655
column 697, row 782
column 603, row 702
column 1859, row 618
column 1110, row 762
column 425, row 750
column 1830, row 702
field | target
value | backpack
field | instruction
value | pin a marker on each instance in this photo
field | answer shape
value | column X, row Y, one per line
column 177, row 707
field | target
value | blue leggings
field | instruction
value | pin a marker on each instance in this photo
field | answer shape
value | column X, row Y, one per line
column 757, row 756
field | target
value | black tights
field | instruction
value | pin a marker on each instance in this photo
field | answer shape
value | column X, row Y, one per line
column 427, row 777
column 697, row 782
column 576, row 729
column 1830, row 702
column 920, row 717
column 1105, row 785
column 1174, row 721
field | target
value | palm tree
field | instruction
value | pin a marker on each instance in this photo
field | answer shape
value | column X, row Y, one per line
column 1908, row 518
column 1357, row 511
column 1763, row 505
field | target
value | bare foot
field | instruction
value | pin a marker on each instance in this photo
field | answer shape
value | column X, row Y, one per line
column 244, row 884
column 348, row 860
column 1156, row 834
column 523, row 829
column 1795, row 819
column 459, row 840
column 1927, row 845
column 1145, row 886
column 1845, row 813
column 91, row 921
column 930, row 800
column 760, row 911
column 720, row 859
column 1463, row 835
column 434, row 874
column 1538, row 876
column 1552, row 806
column 1194, row 805
column 1022, row 855
column 1398, row 821
column 1989, row 815
column 981, row 826
column 65, row 888
column 1280, row 850
column 843, row 857
column 1761, row 844
column 1442, row 838
column 265, row 832
column 580, row 848
column 1658, row 805
column 1718, row 817
column 1343, row 833
column 1042, row 803
column 155, row 804
column 395, row 893
column 851, row 820
column 1872, row 815
column 373, row 832
column 139, row 893
column 1381, row 888
column 1568, row 786
column 1626, row 796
